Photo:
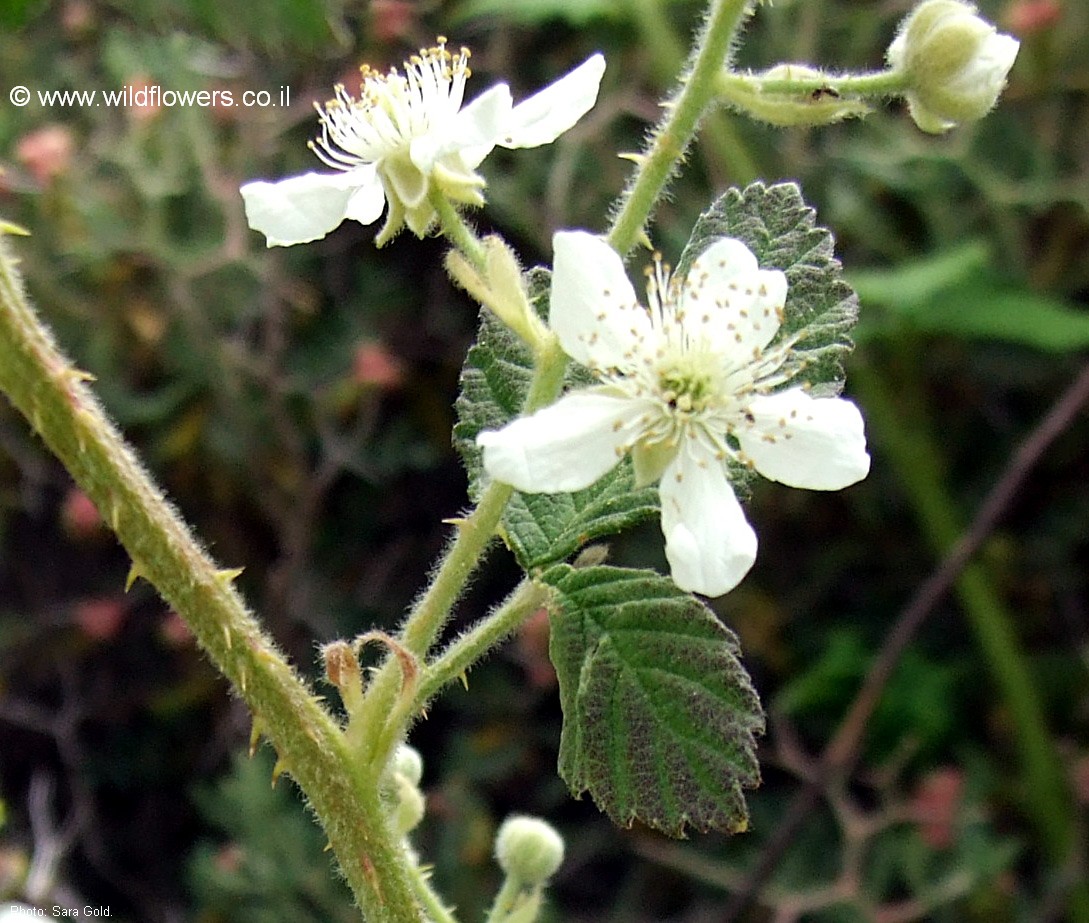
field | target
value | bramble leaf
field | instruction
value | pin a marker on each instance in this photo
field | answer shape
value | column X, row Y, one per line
column 660, row 717
column 781, row 230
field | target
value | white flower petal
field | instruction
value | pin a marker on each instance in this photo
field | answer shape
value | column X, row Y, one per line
column 709, row 543
column 814, row 442
column 366, row 203
column 477, row 128
column 546, row 115
column 593, row 309
column 307, row 207
column 565, row 447
column 986, row 73
column 736, row 304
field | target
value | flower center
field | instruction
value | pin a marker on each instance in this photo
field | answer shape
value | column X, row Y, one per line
column 392, row 108
column 687, row 389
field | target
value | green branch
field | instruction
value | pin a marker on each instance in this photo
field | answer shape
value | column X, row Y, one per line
column 431, row 613
column 51, row 393
column 674, row 133
column 875, row 84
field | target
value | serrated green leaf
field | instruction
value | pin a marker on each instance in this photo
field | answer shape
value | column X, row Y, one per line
column 540, row 529
column 660, row 717
column 781, row 231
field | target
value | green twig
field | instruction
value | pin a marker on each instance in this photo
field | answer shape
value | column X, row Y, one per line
column 720, row 140
column 51, row 393
column 875, row 84
column 456, row 230
column 476, row 643
column 430, row 614
column 674, row 133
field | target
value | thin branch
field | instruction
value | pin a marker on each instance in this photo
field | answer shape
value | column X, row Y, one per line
column 841, row 755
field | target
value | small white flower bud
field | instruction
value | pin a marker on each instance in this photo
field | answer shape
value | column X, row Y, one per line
column 408, row 763
column 956, row 62
column 528, row 850
column 410, row 807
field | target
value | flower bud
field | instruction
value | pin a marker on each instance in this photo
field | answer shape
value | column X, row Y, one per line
column 528, row 850
column 408, row 763
column 401, row 789
column 410, row 806
column 956, row 63
column 500, row 288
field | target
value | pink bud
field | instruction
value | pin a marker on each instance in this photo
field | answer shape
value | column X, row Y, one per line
column 80, row 516
column 1027, row 16
column 937, row 801
column 46, row 152
column 392, row 19
column 99, row 619
column 374, row 365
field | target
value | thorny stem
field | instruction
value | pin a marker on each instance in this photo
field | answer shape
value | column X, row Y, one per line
column 431, row 613
column 436, row 910
column 471, row 647
column 720, row 143
column 53, row 396
column 675, row 132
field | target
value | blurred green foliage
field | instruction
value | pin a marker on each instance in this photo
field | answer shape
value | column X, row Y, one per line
column 271, row 867
column 298, row 404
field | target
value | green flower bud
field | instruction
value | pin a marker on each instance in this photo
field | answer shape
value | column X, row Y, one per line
column 410, row 807
column 529, row 850
column 956, row 63
column 401, row 789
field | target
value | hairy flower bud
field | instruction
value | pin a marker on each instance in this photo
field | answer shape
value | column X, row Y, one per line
column 529, row 850
column 401, row 789
column 408, row 763
column 956, row 63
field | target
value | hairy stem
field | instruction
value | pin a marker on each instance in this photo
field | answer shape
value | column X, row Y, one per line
column 475, row 644
column 456, row 230
column 720, row 141
column 51, row 393
column 430, row 614
column 876, row 84
column 674, row 133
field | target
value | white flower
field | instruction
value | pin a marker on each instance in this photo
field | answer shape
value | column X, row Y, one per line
column 406, row 134
column 956, row 62
column 685, row 386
